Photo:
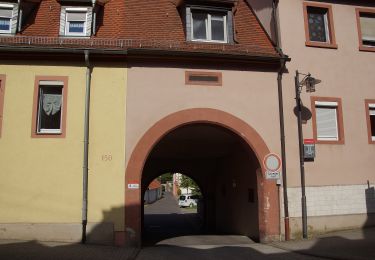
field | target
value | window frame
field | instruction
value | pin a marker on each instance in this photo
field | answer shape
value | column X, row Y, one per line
column 76, row 10
column 339, row 120
column 2, row 93
column 358, row 12
column 189, row 9
column 8, row 6
column 35, row 116
column 331, row 44
column 209, row 12
column 370, row 135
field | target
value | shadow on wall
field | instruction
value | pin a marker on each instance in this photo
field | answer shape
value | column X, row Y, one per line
column 370, row 205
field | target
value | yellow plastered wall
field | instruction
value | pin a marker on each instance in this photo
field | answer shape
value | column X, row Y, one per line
column 41, row 178
column 107, row 145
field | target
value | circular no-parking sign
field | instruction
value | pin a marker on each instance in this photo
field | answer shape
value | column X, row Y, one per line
column 272, row 162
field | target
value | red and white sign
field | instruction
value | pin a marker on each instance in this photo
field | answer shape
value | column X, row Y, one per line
column 308, row 141
column 272, row 162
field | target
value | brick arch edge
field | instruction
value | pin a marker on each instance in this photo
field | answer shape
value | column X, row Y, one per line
column 268, row 199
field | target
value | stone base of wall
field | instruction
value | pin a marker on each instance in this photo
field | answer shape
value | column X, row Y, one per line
column 322, row 224
column 97, row 233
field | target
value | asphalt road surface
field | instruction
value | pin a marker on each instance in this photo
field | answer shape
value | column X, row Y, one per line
column 174, row 233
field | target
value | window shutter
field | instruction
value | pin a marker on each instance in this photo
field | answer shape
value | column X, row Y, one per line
column 230, row 33
column 89, row 22
column 62, row 21
column 368, row 28
column 75, row 16
column 188, row 24
column 14, row 19
column 6, row 12
column 326, row 120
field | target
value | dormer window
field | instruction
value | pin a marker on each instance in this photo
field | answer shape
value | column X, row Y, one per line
column 209, row 24
column 8, row 18
column 75, row 21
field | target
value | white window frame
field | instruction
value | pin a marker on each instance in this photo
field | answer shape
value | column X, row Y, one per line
column 371, row 112
column 75, row 10
column 332, row 105
column 51, row 83
column 7, row 6
column 208, row 26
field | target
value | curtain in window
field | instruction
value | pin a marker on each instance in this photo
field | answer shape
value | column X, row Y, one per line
column 317, row 24
column 326, row 120
column 199, row 26
column 368, row 28
column 51, row 104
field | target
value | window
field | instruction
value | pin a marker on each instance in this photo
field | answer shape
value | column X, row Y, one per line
column 370, row 111
column 49, row 106
column 2, row 89
column 327, row 120
column 8, row 18
column 75, row 21
column 319, row 25
column 209, row 25
column 366, row 29
column 203, row 78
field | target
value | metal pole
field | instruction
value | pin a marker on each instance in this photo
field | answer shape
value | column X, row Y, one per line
column 283, row 152
column 301, row 157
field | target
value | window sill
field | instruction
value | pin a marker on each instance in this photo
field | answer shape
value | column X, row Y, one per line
column 7, row 34
column 48, row 135
column 321, row 45
column 340, row 142
column 208, row 42
column 75, row 36
column 366, row 48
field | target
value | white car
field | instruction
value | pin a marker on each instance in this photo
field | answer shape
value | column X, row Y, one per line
column 188, row 200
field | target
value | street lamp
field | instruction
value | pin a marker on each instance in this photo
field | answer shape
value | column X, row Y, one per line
column 310, row 83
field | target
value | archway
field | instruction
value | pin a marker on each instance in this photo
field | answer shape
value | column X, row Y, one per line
column 268, row 202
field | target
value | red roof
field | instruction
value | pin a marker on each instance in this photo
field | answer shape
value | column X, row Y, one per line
column 155, row 184
column 132, row 24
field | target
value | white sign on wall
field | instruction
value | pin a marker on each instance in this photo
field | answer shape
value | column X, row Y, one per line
column 133, row 185
column 272, row 163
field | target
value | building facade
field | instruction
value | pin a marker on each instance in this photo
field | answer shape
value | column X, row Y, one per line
column 334, row 41
column 127, row 92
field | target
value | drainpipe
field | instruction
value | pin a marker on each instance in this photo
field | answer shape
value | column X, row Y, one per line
column 283, row 60
column 19, row 22
column 93, row 17
column 86, row 146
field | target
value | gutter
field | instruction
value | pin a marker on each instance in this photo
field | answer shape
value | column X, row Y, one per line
column 86, row 146
column 283, row 60
column 145, row 51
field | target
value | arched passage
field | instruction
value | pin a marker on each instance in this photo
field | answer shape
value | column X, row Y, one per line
column 268, row 208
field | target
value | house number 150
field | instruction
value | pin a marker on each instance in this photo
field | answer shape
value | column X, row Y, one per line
column 106, row 157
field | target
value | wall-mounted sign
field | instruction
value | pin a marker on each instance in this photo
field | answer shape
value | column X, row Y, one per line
column 272, row 175
column 133, row 185
column 272, row 163
column 309, row 149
